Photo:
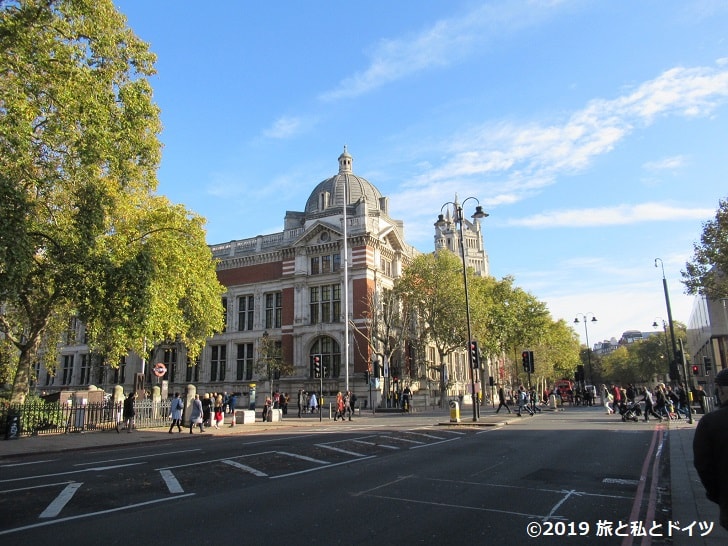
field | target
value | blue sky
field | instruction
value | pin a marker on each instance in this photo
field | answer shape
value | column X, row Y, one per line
column 593, row 132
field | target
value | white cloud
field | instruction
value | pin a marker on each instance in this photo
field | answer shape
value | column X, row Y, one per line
column 526, row 158
column 665, row 164
column 284, row 127
column 612, row 216
column 446, row 42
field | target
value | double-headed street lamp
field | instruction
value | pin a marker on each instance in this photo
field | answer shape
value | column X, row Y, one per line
column 459, row 220
column 584, row 317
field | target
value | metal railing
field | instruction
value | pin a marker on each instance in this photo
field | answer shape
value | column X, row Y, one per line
column 36, row 418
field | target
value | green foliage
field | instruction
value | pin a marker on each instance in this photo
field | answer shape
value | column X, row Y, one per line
column 81, row 230
column 707, row 273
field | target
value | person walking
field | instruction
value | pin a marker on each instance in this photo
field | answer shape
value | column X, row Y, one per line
column 206, row 409
column 710, row 450
column 176, row 412
column 348, row 404
column 219, row 411
column 502, row 400
column 232, row 402
column 649, row 405
column 523, row 402
column 301, row 401
column 129, row 411
column 339, row 405
column 534, row 400
column 312, row 403
column 196, row 414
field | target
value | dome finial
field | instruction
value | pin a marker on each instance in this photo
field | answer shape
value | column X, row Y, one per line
column 345, row 161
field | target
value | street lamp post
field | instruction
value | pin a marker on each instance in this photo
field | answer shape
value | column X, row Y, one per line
column 584, row 317
column 674, row 370
column 459, row 220
column 664, row 330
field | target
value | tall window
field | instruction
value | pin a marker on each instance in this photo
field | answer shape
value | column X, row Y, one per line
column 325, row 303
column 330, row 263
column 36, row 374
column 224, row 314
column 85, row 369
column 192, row 374
column 120, row 372
column 170, row 361
column 329, row 350
column 67, row 371
column 244, row 368
column 273, row 310
column 245, row 313
column 218, row 363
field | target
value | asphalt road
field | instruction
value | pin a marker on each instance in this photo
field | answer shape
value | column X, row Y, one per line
column 571, row 477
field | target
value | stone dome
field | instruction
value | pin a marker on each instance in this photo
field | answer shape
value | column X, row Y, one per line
column 330, row 192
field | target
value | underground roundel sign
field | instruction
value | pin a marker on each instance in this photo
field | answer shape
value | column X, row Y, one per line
column 159, row 369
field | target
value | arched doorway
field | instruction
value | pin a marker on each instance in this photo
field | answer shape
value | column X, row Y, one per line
column 330, row 353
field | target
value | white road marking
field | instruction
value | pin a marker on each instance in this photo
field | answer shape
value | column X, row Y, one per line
column 303, row 457
column 321, row 467
column 344, row 451
column 34, row 487
column 165, row 454
column 26, row 464
column 90, row 515
column 96, row 469
column 245, row 467
column 171, row 482
column 374, row 444
column 55, row 507
column 620, row 481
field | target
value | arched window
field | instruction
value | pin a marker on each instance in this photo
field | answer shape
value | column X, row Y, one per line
column 328, row 349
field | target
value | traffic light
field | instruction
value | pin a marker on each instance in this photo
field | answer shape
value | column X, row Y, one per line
column 708, row 363
column 696, row 369
column 317, row 366
column 474, row 355
column 377, row 369
column 528, row 365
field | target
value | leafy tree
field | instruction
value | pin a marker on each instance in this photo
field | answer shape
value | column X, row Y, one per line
column 81, row 231
column 432, row 285
column 707, row 272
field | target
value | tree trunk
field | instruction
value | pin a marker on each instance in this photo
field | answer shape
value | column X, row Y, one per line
column 21, row 383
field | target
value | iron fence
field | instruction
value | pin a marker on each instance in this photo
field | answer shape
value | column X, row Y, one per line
column 36, row 418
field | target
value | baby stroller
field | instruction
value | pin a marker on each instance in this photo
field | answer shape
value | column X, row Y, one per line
column 630, row 411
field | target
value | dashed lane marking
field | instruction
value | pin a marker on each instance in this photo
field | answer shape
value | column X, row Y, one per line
column 55, row 507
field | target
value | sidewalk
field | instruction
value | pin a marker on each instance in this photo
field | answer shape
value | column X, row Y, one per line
column 57, row 443
column 688, row 495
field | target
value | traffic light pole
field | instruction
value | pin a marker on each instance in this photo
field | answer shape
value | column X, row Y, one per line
column 688, row 394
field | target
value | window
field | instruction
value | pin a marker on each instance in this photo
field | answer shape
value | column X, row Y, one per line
column 329, row 263
column 67, row 372
column 120, row 372
column 224, row 314
column 85, row 369
column 273, row 310
column 245, row 313
column 386, row 266
column 325, row 303
column 244, row 368
column 218, row 363
column 170, row 362
column 192, row 374
column 328, row 348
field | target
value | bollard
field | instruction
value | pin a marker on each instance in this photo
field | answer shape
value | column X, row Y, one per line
column 454, row 412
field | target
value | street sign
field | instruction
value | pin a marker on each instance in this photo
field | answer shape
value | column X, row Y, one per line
column 159, row 369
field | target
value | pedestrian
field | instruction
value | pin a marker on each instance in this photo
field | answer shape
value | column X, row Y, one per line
column 502, row 400
column 196, row 414
column 534, row 400
column 312, row 403
column 406, row 395
column 339, row 406
column 301, row 401
column 284, row 403
column 176, row 412
column 219, row 410
column 700, row 397
column 608, row 399
column 206, row 409
column 267, row 407
column 232, row 402
column 348, row 412
column 649, row 405
column 523, row 402
column 710, row 450
column 129, row 411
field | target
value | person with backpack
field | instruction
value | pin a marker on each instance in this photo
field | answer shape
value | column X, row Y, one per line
column 176, row 412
